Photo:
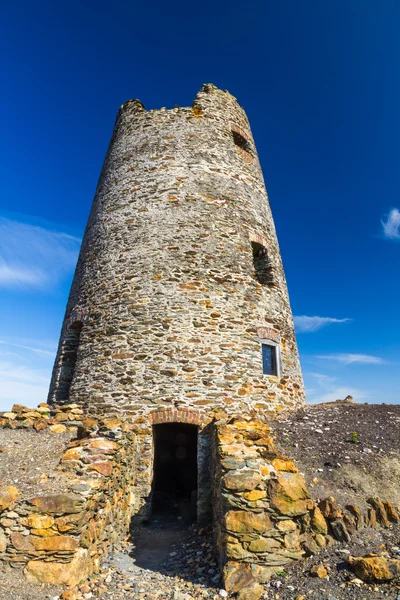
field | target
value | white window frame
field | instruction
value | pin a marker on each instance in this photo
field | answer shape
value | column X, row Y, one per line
column 278, row 356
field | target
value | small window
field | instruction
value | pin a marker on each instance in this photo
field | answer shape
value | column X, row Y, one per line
column 262, row 265
column 241, row 142
column 270, row 359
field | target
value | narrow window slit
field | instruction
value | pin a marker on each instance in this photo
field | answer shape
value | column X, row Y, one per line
column 241, row 141
column 262, row 264
column 69, row 353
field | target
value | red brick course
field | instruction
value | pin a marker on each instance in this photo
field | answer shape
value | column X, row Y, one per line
column 176, row 415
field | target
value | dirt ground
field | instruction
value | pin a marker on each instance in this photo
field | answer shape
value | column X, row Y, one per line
column 28, row 460
column 349, row 451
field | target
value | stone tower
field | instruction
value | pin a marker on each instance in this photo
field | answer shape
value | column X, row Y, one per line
column 179, row 306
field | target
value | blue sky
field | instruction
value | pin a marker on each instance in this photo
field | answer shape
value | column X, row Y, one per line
column 321, row 85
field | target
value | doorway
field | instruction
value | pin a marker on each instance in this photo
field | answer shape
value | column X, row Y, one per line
column 175, row 470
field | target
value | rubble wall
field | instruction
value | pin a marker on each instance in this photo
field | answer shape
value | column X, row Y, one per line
column 63, row 537
column 262, row 508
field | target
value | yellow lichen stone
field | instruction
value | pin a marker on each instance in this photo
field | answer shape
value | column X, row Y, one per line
column 284, row 464
column 57, row 428
column 40, row 521
column 254, row 495
column 38, row 571
column 8, row 496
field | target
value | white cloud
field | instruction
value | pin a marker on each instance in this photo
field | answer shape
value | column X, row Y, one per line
column 330, row 390
column 391, row 228
column 32, row 256
column 25, row 371
column 22, row 385
column 304, row 323
column 339, row 393
column 353, row 358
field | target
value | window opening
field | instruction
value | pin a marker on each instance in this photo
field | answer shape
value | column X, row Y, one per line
column 241, row 141
column 270, row 359
column 175, row 470
column 69, row 353
column 262, row 265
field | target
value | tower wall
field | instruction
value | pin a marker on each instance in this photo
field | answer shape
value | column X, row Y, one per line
column 165, row 296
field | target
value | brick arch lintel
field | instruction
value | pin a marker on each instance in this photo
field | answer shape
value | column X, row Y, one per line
column 258, row 238
column 176, row 415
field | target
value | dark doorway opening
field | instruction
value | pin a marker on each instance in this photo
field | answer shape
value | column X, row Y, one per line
column 175, row 470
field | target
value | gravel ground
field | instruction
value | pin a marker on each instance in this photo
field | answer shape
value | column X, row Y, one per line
column 349, row 451
column 28, row 460
column 341, row 583
column 13, row 586
column 173, row 562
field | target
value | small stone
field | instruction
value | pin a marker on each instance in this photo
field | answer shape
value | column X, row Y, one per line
column 289, row 495
column 254, row 591
column 264, row 545
column 241, row 521
column 378, row 568
column 36, row 521
column 57, row 428
column 69, row 595
column 181, row 596
column 319, row 571
column 286, row 526
column 8, row 496
column 330, row 509
column 55, row 543
column 340, row 531
column 381, row 515
column 104, row 468
column 242, row 480
column 57, row 503
column 284, row 464
column 318, row 523
column 21, row 542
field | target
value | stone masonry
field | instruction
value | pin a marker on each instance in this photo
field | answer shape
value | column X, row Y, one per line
column 179, row 281
column 165, row 292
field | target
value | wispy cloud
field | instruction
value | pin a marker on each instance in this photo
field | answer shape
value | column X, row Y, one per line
column 339, row 393
column 304, row 323
column 40, row 351
column 25, row 370
column 22, row 385
column 391, row 226
column 323, row 379
column 329, row 389
column 353, row 358
column 33, row 256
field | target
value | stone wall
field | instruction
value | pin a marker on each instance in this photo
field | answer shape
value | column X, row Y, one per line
column 264, row 518
column 61, row 538
column 165, row 298
column 260, row 503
